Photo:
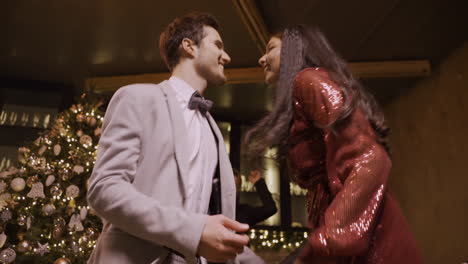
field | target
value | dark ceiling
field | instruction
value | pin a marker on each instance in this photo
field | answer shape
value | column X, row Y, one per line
column 69, row 40
column 369, row 30
column 63, row 42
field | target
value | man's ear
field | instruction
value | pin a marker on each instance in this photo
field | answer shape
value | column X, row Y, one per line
column 188, row 47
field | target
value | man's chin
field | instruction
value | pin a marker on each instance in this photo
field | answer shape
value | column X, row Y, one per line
column 218, row 80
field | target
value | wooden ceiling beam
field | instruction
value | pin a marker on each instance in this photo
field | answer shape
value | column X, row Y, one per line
column 391, row 69
column 254, row 23
column 383, row 69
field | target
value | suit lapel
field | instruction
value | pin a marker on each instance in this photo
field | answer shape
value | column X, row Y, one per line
column 180, row 135
column 182, row 152
column 225, row 171
column 215, row 129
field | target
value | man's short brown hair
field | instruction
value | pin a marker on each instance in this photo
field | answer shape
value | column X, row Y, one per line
column 188, row 26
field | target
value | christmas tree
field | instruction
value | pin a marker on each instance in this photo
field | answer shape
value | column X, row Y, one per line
column 43, row 210
column 44, row 215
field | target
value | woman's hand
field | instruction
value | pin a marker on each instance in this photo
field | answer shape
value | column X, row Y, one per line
column 254, row 176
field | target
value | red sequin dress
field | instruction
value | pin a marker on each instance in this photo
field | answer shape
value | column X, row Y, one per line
column 352, row 216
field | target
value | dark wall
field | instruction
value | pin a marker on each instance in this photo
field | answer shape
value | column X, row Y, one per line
column 430, row 159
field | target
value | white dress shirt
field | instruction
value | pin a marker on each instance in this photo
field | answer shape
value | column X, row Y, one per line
column 204, row 154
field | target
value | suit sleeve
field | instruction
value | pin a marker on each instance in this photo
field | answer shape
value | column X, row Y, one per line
column 351, row 217
column 112, row 195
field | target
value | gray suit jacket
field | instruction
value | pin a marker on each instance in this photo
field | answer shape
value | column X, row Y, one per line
column 139, row 182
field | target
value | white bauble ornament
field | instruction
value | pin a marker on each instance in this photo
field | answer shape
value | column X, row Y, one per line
column 18, row 184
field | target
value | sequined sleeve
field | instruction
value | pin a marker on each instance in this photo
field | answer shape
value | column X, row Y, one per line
column 319, row 97
column 349, row 220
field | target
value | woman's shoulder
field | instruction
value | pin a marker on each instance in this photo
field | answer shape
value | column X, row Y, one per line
column 310, row 74
column 316, row 79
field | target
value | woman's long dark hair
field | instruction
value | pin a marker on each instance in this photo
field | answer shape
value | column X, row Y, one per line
column 303, row 47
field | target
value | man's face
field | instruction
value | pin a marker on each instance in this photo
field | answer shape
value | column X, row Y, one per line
column 211, row 57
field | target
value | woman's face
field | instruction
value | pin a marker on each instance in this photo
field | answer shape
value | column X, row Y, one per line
column 270, row 62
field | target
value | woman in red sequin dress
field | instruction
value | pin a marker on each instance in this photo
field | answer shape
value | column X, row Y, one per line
column 334, row 136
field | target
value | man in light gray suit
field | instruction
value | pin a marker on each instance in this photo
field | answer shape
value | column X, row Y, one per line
column 162, row 181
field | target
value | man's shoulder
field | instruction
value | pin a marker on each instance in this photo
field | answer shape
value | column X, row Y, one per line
column 139, row 95
column 140, row 89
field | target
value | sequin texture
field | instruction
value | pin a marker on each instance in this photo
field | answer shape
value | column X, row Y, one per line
column 352, row 216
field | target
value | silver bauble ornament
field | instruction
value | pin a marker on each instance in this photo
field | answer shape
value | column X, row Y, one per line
column 48, row 209
column 74, row 246
column 57, row 232
column 59, row 222
column 23, row 246
column 21, row 220
column 92, row 233
column 56, row 190
column 62, row 261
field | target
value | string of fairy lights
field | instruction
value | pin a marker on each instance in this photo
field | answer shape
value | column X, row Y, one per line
column 43, row 210
column 276, row 239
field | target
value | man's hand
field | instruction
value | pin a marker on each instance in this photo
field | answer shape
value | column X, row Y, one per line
column 219, row 242
column 254, row 176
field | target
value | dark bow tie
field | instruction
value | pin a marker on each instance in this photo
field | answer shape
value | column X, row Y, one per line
column 198, row 102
